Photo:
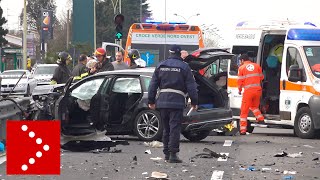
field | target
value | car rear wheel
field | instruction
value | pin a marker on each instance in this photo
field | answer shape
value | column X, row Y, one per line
column 148, row 125
column 196, row 136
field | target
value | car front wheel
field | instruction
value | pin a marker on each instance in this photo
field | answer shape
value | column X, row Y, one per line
column 196, row 136
column 148, row 126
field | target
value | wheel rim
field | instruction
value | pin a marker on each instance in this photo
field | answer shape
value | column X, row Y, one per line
column 305, row 123
column 148, row 125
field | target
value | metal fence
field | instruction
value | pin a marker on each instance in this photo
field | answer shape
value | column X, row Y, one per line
column 9, row 111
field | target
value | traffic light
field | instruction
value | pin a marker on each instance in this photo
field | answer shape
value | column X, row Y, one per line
column 118, row 20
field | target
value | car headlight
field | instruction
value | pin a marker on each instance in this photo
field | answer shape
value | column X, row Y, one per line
column 21, row 85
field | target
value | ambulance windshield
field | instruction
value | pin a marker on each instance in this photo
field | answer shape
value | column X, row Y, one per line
column 313, row 57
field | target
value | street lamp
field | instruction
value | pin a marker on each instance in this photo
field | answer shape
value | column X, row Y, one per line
column 186, row 20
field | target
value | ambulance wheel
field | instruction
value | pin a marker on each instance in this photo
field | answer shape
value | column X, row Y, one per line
column 303, row 124
column 148, row 125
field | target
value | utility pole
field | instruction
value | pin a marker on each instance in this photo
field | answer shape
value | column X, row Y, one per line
column 68, row 25
column 24, row 46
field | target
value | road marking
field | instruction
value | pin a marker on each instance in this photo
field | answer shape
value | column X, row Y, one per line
column 217, row 175
column 227, row 143
column 223, row 159
column 3, row 159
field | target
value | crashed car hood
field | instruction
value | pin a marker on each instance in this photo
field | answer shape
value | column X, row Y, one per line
column 205, row 59
column 14, row 81
column 46, row 89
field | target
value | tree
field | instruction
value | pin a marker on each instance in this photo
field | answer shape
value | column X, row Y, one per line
column 105, row 17
column 3, row 31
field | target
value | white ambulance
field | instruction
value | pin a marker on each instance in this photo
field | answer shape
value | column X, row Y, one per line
column 289, row 54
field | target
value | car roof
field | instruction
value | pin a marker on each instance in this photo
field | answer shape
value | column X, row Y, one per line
column 138, row 71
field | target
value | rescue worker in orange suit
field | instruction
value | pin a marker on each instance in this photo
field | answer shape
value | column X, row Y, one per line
column 249, row 78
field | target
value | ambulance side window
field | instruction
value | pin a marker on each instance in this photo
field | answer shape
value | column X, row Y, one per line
column 294, row 58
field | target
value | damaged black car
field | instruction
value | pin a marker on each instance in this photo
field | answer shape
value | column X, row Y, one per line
column 116, row 102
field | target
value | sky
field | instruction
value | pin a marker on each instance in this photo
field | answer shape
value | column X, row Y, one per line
column 220, row 14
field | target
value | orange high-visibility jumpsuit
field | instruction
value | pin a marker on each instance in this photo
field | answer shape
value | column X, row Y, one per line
column 250, row 77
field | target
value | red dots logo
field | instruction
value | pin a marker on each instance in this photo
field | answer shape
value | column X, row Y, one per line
column 33, row 147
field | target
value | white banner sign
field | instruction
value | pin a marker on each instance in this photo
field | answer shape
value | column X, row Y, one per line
column 157, row 38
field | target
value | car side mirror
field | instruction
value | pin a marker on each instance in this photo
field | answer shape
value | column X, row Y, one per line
column 295, row 73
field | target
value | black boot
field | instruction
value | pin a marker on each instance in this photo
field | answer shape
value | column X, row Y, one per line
column 174, row 158
column 166, row 157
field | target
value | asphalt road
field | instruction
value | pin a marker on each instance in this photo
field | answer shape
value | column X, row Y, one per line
column 248, row 156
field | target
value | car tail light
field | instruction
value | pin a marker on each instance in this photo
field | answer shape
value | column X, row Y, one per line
column 196, row 54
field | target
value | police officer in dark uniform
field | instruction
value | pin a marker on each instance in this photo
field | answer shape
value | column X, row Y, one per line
column 62, row 72
column 174, row 79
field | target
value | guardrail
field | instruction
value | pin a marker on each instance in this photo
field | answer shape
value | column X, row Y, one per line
column 10, row 111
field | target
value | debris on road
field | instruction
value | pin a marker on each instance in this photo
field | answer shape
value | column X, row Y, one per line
column 282, row 154
column 145, row 173
column 265, row 169
column 288, row 177
column 315, row 159
column 270, row 164
column 159, row 175
column 147, row 151
column 210, row 154
column 295, row 155
column 89, row 145
column 289, row 172
column 308, row 146
column 265, row 141
column 135, row 158
column 156, row 158
column 185, row 170
column 154, row 144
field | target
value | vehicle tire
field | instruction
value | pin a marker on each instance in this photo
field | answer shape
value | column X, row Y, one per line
column 303, row 124
column 196, row 136
column 40, row 115
column 148, row 125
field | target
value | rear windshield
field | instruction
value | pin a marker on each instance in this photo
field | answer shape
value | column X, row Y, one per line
column 45, row 70
column 252, row 51
column 154, row 53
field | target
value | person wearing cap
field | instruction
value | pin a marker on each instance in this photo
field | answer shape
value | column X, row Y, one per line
column 249, row 78
column 103, row 63
column 174, row 79
column 80, row 70
column 62, row 72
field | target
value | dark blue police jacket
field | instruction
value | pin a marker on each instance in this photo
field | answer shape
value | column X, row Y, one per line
column 172, row 73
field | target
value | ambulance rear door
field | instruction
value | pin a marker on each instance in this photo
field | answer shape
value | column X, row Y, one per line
column 245, row 41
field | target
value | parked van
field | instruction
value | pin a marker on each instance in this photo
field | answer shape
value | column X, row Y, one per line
column 289, row 54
